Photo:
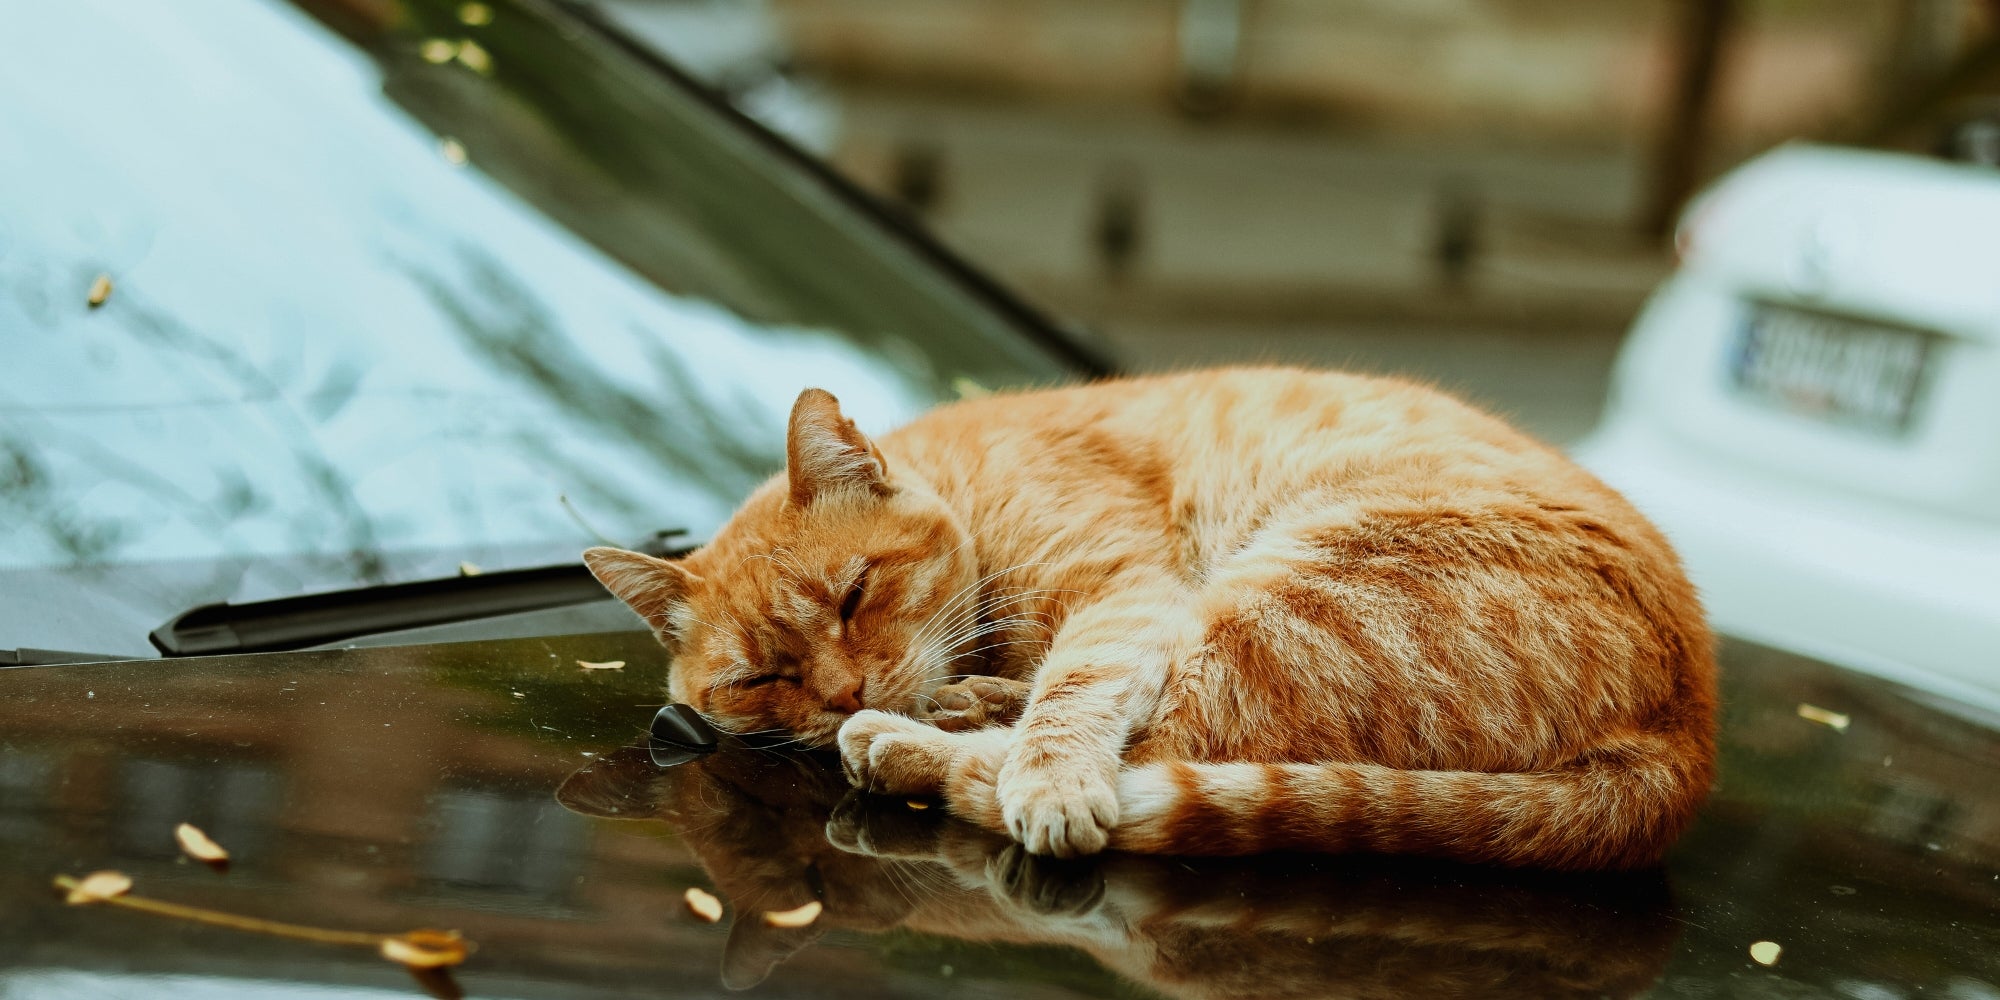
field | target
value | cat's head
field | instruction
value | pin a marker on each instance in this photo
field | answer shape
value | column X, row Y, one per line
column 835, row 588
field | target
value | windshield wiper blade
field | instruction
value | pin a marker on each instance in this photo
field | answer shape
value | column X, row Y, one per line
column 313, row 619
column 28, row 656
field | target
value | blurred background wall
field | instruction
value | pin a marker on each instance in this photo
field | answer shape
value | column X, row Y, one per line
column 1475, row 192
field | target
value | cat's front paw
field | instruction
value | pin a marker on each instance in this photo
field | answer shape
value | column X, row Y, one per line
column 892, row 754
column 1064, row 806
column 977, row 702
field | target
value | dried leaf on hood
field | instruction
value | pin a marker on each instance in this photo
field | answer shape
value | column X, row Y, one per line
column 198, row 846
column 425, row 953
column 1813, row 713
column 801, row 917
column 100, row 291
column 473, row 57
column 606, row 665
column 702, row 904
column 438, row 51
column 98, row 886
column 426, row 949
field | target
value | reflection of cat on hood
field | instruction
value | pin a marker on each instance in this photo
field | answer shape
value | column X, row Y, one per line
column 774, row 832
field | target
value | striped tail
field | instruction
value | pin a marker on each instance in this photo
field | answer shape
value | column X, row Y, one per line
column 1619, row 807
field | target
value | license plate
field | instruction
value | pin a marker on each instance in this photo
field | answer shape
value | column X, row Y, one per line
column 1841, row 370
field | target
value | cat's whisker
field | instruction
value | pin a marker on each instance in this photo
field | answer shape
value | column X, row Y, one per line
column 953, row 648
column 761, row 732
column 963, row 631
column 781, row 744
column 899, row 881
column 973, row 589
column 928, row 876
column 1008, row 601
column 722, row 727
column 1005, row 597
column 988, row 613
column 982, row 629
column 937, row 877
column 1000, row 645
column 926, row 660
column 970, row 638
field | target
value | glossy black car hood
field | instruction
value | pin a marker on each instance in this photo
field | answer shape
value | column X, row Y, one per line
column 502, row 789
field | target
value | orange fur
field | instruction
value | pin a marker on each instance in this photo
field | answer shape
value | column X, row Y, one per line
column 1253, row 609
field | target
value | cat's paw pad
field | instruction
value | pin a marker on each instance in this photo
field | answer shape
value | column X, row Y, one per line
column 891, row 754
column 977, row 702
column 1063, row 807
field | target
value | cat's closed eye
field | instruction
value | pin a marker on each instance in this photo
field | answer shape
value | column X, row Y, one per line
column 762, row 680
column 852, row 602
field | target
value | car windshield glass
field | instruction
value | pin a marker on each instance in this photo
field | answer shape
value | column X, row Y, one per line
column 295, row 299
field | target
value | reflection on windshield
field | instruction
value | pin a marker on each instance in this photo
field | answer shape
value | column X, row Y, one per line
column 334, row 352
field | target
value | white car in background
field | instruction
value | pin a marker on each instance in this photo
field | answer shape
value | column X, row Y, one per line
column 1810, row 408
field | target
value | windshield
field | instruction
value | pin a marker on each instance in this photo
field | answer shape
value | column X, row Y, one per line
column 292, row 302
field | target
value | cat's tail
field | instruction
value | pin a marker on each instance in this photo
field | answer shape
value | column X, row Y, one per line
column 1619, row 806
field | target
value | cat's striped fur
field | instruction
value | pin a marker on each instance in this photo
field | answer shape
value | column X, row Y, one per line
column 1248, row 609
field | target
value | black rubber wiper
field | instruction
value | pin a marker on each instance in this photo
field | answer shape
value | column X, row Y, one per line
column 315, row 619
column 27, row 656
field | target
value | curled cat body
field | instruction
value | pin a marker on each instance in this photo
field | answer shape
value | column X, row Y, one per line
column 1219, row 612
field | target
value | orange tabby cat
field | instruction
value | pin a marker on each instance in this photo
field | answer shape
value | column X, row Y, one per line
column 1234, row 611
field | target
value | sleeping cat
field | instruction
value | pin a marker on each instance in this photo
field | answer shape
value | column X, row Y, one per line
column 1219, row 612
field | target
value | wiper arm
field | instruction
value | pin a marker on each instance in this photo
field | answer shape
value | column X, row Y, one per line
column 313, row 619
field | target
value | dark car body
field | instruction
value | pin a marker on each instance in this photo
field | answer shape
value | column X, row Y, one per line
column 499, row 789
column 494, row 776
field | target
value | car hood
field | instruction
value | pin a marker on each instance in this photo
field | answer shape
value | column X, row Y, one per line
column 503, row 788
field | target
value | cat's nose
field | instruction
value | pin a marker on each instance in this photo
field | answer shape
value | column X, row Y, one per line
column 848, row 699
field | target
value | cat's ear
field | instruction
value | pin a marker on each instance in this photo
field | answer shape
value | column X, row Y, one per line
column 825, row 452
column 653, row 587
column 753, row 949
